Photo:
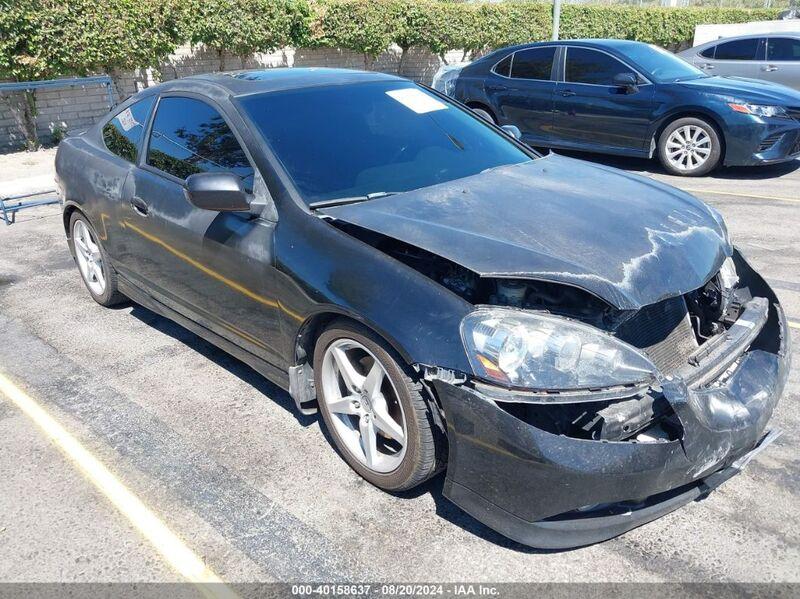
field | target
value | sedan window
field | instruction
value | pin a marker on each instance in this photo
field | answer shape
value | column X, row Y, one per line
column 123, row 133
column 708, row 52
column 189, row 137
column 591, row 66
column 781, row 49
column 534, row 63
column 504, row 66
column 737, row 50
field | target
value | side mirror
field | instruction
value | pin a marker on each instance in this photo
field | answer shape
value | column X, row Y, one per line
column 512, row 130
column 217, row 191
column 627, row 81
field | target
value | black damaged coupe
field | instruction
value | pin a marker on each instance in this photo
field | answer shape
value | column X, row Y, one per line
column 581, row 350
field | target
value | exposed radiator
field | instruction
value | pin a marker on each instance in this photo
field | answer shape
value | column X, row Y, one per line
column 663, row 331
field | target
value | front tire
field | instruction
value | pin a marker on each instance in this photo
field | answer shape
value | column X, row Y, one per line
column 690, row 147
column 96, row 271
column 373, row 408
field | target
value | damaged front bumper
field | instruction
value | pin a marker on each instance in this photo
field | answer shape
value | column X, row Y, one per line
column 555, row 491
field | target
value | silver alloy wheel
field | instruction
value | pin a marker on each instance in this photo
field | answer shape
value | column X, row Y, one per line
column 364, row 405
column 90, row 260
column 483, row 114
column 688, row 147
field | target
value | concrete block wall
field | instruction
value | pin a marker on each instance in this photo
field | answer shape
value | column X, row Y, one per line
column 79, row 107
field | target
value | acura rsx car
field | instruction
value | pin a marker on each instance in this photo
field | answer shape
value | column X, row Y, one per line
column 582, row 350
column 632, row 99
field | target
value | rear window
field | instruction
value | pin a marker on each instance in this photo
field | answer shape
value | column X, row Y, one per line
column 533, row 63
column 123, row 133
column 737, row 50
column 708, row 52
column 504, row 66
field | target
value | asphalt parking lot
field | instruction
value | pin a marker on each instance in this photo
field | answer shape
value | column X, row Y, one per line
column 256, row 491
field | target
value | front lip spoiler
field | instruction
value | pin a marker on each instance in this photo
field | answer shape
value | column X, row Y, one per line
column 576, row 529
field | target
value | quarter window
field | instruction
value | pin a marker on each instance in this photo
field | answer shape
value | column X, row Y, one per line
column 123, row 133
column 190, row 137
column 590, row 66
column 708, row 52
column 504, row 66
column 533, row 63
column 781, row 49
column 737, row 50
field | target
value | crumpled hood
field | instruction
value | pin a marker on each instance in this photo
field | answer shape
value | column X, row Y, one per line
column 746, row 90
column 629, row 240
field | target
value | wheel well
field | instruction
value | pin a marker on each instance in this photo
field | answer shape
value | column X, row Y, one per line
column 482, row 106
column 312, row 328
column 67, row 215
column 696, row 115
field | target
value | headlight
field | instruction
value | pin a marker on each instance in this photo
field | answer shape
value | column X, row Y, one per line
column 544, row 352
column 759, row 109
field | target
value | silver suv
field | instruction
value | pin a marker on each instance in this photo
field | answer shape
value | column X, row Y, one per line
column 771, row 57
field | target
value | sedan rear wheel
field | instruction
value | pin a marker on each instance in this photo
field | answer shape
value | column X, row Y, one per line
column 373, row 408
column 690, row 147
column 484, row 114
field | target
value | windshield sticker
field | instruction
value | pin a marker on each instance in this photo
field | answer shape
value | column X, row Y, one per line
column 126, row 119
column 416, row 100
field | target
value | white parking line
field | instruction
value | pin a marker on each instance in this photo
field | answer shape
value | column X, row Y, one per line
column 182, row 559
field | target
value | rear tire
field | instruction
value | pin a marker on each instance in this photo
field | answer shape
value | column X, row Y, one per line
column 404, row 450
column 690, row 147
column 484, row 114
column 93, row 263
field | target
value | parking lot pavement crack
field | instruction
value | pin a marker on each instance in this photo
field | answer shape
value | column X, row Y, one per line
column 280, row 543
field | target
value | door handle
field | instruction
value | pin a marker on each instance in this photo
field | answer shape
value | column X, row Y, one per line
column 139, row 206
column 707, row 66
column 769, row 68
column 567, row 93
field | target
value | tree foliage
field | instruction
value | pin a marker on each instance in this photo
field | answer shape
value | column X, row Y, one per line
column 244, row 27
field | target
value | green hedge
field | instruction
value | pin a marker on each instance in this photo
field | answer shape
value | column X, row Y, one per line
column 48, row 38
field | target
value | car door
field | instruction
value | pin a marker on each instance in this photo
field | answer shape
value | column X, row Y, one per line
column 736, row 58
column 522, row 87
column 782, row 63
column 592, row 113
column 212, row 267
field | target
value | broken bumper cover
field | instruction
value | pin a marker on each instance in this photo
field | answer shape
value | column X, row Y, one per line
column 554, row 491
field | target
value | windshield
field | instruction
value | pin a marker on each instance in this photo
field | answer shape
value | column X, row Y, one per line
column 374, row 138
column 661, row 65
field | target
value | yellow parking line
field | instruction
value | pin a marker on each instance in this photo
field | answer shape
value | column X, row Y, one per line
column 182, row 559
column 743, row 195
column 794, row 325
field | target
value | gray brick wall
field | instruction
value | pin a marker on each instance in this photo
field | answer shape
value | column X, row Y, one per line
column 78, row 107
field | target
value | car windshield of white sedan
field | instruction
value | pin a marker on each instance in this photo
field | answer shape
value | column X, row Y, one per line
column 661, row 65
column 351, row 141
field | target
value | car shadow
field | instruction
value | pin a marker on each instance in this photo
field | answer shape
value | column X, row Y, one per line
column 643, row 165
column 435, row 486
column 221, row 358
column 449, row 511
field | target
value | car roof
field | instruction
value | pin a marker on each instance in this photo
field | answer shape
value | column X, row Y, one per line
column 279, row 79
column 748, row 36
column 612, row 44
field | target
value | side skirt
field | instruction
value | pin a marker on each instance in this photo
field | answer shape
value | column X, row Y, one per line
column 265, row 369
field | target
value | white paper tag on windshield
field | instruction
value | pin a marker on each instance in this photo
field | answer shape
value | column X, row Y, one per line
column 126, row 119
column 416, row 100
